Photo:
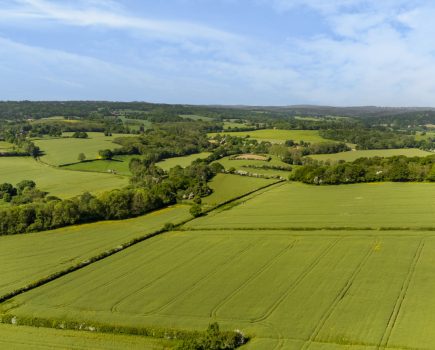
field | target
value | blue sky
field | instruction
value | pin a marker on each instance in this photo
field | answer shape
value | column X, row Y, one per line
column 257, row 52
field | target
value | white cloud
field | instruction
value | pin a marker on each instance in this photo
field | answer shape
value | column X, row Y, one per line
column 368, row 59
column 109, row 14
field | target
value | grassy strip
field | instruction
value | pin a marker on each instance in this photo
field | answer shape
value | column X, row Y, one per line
column 147, row 331
column 325, row 228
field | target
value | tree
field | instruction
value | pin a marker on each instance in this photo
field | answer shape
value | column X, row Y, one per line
column 196, row 210
column 25, row 184
column 106, row 154
column 81, row 157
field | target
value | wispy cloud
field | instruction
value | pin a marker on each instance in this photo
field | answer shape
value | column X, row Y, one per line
column 375, row 52
column 102, row 13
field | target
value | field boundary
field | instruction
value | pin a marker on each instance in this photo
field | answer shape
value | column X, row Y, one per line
column 309, row 228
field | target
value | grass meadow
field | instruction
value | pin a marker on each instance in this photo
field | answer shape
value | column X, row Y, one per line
column 25, row 338
column 243, row 165
column 278, row 136
column 287, row 289
column 120, row 164
column 65, row 150
column 27, row 258
column 353, row 155
column 57, row 182
column 181, row 161
column 5, row 146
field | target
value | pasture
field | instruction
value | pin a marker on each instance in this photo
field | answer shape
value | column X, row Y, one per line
column 27, row 258
column 278, row 136
column 227, row 186
column 288, row 289
column 25, row 338
column 196, row 117
column 120, row 164
column 65, row 150
column 375, row 205
column 57, row 182
column 6, row 146
column 181, row 161
column 353, row 155
column 246, row 165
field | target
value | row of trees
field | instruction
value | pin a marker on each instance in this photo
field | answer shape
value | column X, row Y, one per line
column 151, row 188
column 377, row 138
column 398, row 168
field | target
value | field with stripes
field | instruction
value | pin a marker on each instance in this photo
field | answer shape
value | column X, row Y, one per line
column 347, row 276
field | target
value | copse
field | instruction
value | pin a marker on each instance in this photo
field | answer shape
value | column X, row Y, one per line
column 397, row 169
column 151, row 188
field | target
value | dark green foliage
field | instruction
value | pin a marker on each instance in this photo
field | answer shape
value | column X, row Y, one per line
column 377, row 138
column 106, row 154
column 80, row 135
column 398, row 168
column 213, row 339
column 6, row 189
column 196, row 210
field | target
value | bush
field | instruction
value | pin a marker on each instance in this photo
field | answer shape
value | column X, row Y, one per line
column 196, row 210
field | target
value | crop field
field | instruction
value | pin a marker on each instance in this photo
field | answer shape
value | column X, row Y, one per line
column 288, row 289
column 65, row 150
column 226, row 187
column 244, row 165
column 376, row 205
column 181, row 161
column 27, row 258
column 278, row 136
column 25, row 338
column 353, row 155
column 57, row 182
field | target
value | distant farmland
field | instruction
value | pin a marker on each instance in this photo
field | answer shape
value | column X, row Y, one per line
column 278, row 136
column 353, row 155
column 64, row 150
column 57, row 182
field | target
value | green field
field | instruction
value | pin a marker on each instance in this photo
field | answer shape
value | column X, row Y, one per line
column 57, row 182
column 291, row 290
column 65, row 150
column 353, row 155
column 181, row 161
column 361, row 205
column 29, row 257
column 227, row 186
column 135, row 124
column 243, row 164
column 196, row 117
column 119, row 164
column 5, row 146
column 278, row 136
column 25, row 338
